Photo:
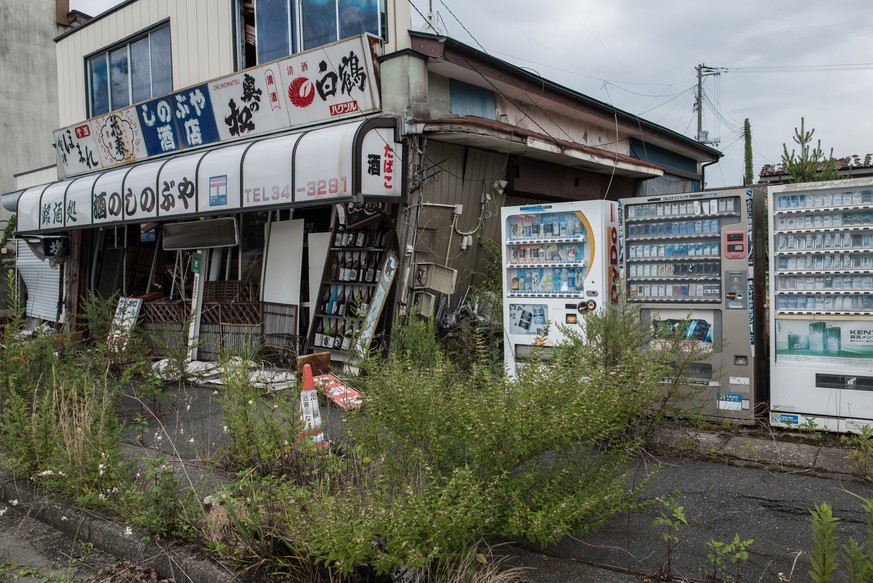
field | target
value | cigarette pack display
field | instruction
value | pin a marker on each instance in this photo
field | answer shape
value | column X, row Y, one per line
column 821, row 282
column 694, row 256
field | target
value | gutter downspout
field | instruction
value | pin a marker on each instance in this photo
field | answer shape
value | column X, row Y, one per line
column 703, row 173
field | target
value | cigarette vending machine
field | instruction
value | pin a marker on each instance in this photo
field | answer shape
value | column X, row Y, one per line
column 821, row 316
column 560, row 262
column 690, row 262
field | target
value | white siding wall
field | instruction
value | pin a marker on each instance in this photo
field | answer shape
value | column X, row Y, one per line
column 564, row 127
column 201, row 34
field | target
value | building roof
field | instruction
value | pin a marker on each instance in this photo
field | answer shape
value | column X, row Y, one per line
column 849, row 166
column 507, row 138
column 484, row 70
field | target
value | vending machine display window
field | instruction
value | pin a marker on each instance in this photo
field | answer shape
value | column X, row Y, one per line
column 673, row 250
column 547, row 254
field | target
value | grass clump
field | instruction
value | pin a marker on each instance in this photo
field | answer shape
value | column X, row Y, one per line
column 444, row 455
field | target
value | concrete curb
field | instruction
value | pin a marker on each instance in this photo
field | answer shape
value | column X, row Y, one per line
column 181, row 562
column 755, row 450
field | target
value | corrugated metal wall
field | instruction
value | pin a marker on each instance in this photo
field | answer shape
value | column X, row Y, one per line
column 201, row 34
column 43, row 284
column 460, row 175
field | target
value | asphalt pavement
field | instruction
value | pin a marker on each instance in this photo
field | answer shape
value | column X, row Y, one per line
column 755, row 484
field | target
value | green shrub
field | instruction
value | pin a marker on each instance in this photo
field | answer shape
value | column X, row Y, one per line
column 442, row 456
column 262, row 430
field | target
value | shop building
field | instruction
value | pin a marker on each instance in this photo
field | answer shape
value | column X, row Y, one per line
column 290, row 171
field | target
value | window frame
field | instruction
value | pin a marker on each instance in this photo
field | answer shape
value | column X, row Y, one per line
column 296, row 30
column 126, row 44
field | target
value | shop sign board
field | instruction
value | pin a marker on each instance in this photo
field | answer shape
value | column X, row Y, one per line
column 333, row 82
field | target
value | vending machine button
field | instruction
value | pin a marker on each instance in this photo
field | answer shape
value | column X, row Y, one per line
column 592, row 305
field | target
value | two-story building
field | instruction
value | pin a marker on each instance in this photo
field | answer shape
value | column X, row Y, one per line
column 299, row 170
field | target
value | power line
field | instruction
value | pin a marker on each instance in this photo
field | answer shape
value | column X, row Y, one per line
column 801, row 68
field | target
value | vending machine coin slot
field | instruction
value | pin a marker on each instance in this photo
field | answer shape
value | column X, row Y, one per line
column 735, row 290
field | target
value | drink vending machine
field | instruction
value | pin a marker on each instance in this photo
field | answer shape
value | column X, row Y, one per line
column 691, row 260
column 560, row 262
column 821, row 316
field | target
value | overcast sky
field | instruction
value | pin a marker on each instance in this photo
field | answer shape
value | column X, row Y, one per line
column 783, row 58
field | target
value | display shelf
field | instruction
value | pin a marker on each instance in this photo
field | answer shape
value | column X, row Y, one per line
column 545, row 294
column 823, row 229
column 675, row 258
column 815, row 201
column 818, row 272
column 821, row 251
column 577, row 264
column 543, row 240
column 684, row 209
column 678, row 279
column 672, row 300
column 351, row 273
column 829, row 209
column 695, row 236
column 825, row 291
column 352, row 283
column 671, row 217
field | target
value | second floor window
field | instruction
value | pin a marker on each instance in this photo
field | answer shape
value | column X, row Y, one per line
column 130, row 72
column 285, row 27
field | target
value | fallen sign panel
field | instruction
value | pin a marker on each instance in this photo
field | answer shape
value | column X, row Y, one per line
column 338, row 392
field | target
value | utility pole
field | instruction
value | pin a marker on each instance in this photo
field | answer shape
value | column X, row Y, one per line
column 703, row 71
column 748, row 173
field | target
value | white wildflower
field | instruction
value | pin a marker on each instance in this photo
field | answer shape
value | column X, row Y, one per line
column 226, row 429
column 3, row 510
column 64, row 519
column 101, row 468
column 14, row 502
column 191, row 440
column 128, row 531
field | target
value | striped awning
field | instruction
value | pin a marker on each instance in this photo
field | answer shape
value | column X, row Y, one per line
column 319, row 166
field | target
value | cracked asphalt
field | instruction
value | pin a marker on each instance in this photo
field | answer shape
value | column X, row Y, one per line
column 765, row 493
column 771, row 507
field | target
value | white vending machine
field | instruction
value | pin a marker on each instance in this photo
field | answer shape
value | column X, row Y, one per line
column 821, row 316
column 694, row 263
column 560, row 262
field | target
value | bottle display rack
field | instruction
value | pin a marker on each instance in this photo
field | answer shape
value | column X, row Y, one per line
column 546, row 255
column 353, row 267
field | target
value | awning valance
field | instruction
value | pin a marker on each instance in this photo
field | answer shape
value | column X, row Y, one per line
column 319, row 166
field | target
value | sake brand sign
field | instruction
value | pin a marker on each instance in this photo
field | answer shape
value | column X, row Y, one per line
column 333, row 82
